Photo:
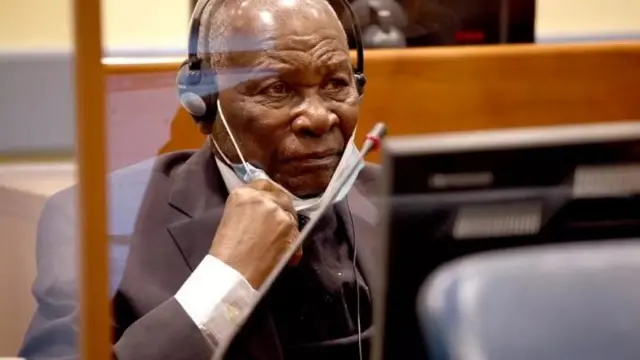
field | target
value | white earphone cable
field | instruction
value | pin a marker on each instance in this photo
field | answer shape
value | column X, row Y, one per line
column 233, row 140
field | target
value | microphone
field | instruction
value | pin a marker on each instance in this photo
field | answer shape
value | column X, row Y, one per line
column 372, row 142
column 374, row 138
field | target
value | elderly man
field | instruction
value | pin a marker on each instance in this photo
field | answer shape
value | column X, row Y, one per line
column 205, row 238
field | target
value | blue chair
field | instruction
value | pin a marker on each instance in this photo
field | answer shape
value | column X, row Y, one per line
column 127, row 187
column 58, row 223
column 562, row 302
column 53, row 332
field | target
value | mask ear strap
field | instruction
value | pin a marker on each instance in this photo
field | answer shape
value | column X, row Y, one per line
column 233, row 140
column 222, row 155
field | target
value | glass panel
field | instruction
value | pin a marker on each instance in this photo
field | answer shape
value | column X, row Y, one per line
column 167, row 185
column 38, row 217
column 170, row 186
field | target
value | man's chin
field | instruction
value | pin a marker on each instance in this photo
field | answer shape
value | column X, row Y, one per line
column 310, row 195
column 308, row 187
column 308, row 191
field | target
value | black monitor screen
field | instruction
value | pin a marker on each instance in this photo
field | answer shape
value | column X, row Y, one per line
column 447, row 203
column 431, row 22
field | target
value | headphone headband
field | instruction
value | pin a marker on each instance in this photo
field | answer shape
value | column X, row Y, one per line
column 194, row 36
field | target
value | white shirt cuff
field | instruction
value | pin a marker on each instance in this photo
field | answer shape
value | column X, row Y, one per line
column 217, row 298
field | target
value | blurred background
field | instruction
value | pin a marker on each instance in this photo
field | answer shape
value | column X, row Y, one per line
column 36, row 37
column 37, row 136
column 161, row 26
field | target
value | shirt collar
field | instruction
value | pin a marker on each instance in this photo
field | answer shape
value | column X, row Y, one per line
column 231, row 180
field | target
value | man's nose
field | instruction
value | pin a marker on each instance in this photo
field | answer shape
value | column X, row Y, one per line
column 313, row 118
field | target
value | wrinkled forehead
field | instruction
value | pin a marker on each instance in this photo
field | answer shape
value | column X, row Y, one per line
column 261, row 15
column 258, row 26
column 302, row 39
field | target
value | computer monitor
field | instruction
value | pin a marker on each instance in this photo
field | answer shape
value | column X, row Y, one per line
column 449, row 195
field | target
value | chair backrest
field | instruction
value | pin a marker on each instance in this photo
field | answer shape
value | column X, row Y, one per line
column 24, row 189
column 579, row 301
column 127, row 187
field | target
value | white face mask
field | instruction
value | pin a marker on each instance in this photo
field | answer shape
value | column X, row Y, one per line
column 247, row 173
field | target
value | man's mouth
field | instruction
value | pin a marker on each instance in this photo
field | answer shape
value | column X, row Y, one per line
column 315, row 158
column 315, row 161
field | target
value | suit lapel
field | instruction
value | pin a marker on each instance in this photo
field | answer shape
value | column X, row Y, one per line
column 198, row 196
column 193, row 236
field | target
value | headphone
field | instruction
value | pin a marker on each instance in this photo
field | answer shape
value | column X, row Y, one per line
column 196, row 81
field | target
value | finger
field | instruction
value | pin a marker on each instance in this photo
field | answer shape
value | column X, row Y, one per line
column 262, row 185
column 286, row 203
column 283, row 199
column 297, row 256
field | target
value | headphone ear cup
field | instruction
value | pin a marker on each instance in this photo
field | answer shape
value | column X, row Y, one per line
column 197, row 92
column 187, row 82
column 360, row 81
column 210, row 96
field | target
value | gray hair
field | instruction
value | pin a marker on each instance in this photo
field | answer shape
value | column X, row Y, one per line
column 214, row 39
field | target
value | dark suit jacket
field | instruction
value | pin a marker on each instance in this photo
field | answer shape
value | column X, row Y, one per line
column 178, row 217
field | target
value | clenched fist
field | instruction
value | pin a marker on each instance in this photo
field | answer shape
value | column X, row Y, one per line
column 258, row 226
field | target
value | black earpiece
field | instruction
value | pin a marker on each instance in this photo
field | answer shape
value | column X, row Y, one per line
column 360, row 81
column 196, row 81
column 197, row 91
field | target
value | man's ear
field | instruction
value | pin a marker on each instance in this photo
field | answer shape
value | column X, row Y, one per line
column 206, row 128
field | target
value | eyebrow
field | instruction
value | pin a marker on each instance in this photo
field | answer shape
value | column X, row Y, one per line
column 280, row 63
column 270, row 68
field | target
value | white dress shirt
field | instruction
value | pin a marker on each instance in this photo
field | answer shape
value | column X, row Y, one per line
column 216, row 296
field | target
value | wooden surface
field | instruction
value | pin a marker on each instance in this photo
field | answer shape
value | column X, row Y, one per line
column 436, row 90
column 482, row 87
column 95, row 311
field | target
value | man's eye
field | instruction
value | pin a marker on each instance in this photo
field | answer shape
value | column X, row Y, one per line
column 337, row 84
column 277, row 89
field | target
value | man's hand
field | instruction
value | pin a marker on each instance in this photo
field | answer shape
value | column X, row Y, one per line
column 258, row 226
